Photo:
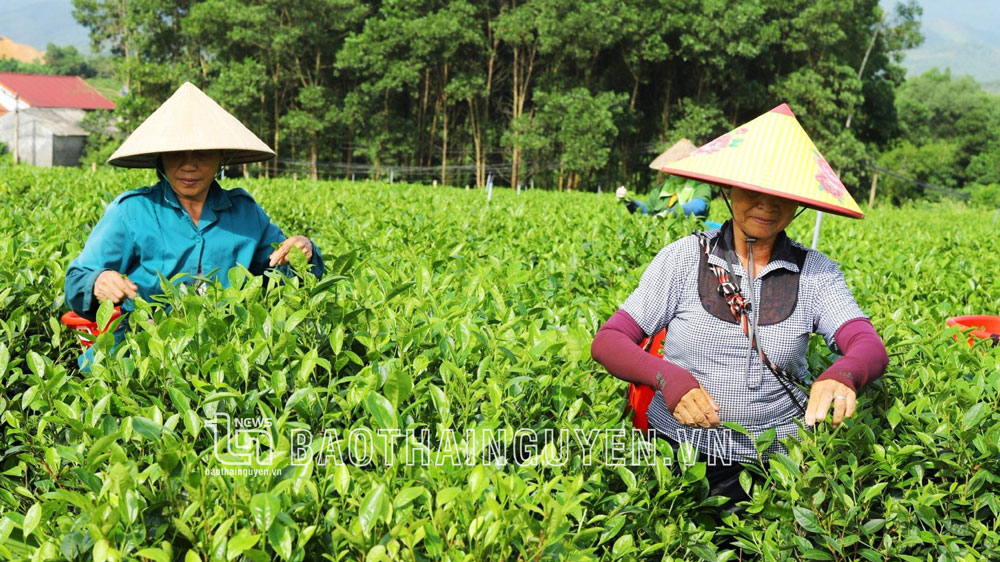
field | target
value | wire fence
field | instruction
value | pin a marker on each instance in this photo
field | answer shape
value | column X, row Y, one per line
column 499, row 172
column 924, row 185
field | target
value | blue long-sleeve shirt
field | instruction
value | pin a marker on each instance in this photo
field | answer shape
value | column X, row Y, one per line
column 146, row 231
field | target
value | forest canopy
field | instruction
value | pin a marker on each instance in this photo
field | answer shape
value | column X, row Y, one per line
column 565, row 94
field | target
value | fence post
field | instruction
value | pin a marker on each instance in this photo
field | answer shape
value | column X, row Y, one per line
column 871, row 194
column 819, row 222
column 17, row 128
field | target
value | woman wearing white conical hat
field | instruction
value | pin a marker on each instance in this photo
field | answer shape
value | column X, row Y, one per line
column 185, row 223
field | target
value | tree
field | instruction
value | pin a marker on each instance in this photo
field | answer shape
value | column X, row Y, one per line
column 577, row 125
column 428, row 86
column 67, row 61
column 951, row 123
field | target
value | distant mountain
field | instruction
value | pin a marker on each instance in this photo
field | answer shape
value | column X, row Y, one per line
column 10, row 49
column 960, row 35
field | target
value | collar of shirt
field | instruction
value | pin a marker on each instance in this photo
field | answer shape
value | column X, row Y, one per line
column 781, row 254
column 217, row 200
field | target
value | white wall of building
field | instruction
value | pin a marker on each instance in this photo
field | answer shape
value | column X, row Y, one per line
column 7, row 100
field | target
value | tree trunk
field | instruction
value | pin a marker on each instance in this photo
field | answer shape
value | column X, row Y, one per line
column 515, row 156
column 483, row 143
column 313, row 164
column 477, row 142
column 523, row 65
column 430, row 139
column 422, row 115
column 665, row 120
column 444, row 128
column 277, row 129
column 350, row 152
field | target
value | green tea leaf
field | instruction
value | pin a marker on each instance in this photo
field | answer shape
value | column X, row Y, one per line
column 104, row 313
column 341, row 478
column 738, row 428
column 806, row 519
column 627, row 477
column 279, row 537
column 765, row 440
column 397, row 386
column 31, row 519
column 264, row 508
column 624, row 545
column 239, row 544
column 382, row 410
column 37, row 364
column 746, row 482
column 873, row 526
column 407, row 495
column 975, row 415
column 374, row 507
column 147, row 428
column 611, row 528
column 4, row 359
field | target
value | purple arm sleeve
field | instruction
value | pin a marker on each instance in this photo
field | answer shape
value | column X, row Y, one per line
column 616, row 346
column 864, row 358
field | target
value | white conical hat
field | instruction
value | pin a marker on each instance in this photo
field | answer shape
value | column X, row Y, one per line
column 190, row 120
column 679, row 150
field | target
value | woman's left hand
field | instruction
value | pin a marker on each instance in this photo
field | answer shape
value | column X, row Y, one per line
column 825, row 392
column 280, row 256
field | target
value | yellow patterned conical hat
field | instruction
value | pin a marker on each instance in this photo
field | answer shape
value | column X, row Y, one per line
column 771, row 154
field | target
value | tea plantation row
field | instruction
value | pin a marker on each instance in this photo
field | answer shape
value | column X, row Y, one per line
column 440, row 311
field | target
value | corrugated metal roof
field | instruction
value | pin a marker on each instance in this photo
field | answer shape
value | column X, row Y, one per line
column 40, row 90
column 62, row 121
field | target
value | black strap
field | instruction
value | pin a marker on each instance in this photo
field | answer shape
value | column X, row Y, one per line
column 731, row 291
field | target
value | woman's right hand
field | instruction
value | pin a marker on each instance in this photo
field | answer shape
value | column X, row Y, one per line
column 113, row 286
column 697, row 408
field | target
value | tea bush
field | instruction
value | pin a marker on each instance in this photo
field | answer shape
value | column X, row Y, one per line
column 438, row 311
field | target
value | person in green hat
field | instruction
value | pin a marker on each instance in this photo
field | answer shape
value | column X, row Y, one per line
column 675, row 195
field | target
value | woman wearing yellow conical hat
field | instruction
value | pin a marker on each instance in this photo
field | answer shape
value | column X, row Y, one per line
column 739, row 306
column 186, row 222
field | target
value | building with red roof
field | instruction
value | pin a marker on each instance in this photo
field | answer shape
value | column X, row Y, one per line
column 42, row 90
column 42, row 115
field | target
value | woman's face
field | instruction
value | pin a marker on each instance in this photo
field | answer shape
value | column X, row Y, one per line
column 191, row 171
column 760, row 215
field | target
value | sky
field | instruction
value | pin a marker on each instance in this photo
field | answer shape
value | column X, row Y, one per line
column 960, row 34
column 40, row 22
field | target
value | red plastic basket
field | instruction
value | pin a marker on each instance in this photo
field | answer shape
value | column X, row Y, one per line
column 640, row 395
column 81, row 324
column 981, row 326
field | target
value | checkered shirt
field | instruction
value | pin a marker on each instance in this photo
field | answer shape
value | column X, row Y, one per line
column 718, row 353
